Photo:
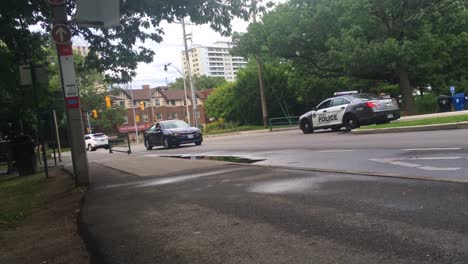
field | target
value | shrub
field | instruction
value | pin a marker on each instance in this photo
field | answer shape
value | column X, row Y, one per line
column 427, row 104
column 221, row 124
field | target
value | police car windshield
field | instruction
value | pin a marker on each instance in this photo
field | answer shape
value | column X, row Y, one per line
column 366, row 96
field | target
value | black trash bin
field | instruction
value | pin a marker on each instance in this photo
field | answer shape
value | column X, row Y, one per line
column 24, row 155
column 445, row 103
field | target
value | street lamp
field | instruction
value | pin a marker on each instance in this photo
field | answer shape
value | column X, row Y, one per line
column 185, row 89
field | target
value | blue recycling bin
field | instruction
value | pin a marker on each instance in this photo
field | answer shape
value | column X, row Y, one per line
column 459, row 101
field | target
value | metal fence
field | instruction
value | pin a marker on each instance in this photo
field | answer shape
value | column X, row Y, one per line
column 120, row 143
column 288, row 121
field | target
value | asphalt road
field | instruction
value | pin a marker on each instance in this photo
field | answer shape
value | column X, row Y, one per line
column 254, row 214
column 435, row 154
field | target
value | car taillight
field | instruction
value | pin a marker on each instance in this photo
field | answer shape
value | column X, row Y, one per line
column 371, row 104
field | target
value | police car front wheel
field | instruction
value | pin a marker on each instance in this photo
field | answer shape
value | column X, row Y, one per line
column 306, row 126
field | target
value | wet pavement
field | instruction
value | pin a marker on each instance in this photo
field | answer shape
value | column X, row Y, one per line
column 251, row 214
column 441, row 155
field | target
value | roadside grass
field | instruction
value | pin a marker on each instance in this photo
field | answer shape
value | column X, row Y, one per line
column 232, row 130
column 50, row 152
column 17, row 198
column 420, row 122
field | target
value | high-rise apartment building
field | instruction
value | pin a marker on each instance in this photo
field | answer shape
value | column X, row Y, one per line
column 214, row 60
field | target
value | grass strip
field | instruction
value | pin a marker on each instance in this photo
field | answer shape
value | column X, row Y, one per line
column 18, row 196
column 420, row 122
column 232, row 130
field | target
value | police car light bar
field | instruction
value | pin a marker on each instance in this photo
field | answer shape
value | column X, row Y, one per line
column 344, row 93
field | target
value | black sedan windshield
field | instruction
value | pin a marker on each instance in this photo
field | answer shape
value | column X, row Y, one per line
column 174, row 124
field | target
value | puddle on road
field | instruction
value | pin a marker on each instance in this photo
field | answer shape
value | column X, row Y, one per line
column 218, row 158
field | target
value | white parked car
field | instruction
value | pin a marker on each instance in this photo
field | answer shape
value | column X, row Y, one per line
column 95, row 141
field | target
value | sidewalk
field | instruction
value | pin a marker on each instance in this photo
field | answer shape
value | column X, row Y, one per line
column 445, row 114
column 150, row 166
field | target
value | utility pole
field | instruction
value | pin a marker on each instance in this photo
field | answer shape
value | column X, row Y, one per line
column 151, row 102
column 134, row 115
column 260, row 75
column 62, row 37
column 57, row 136
column 189, row 71
column 185, row 88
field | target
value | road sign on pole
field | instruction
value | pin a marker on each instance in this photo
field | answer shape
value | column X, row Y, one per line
column 61, row 34
column 452, row 90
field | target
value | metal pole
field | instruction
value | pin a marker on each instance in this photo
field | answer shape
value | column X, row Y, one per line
column 134, row 115
column 185, row 91
column 189, row 71
column 88, row 121
column 152, row 109
column 72, row 101
column 57, row 136
column 185, row 99
column 262, row 93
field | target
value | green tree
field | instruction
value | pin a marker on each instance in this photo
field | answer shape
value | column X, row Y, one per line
column 412, row 43
column 116, row 51
column 201, row 83
column 220, row 103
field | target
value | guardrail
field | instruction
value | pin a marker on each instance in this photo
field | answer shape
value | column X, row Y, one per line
column 287, row 121
column 120, row 143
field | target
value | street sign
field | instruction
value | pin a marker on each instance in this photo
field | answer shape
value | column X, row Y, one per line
column 98, row 14
column 61, row 34
column 72, row 102
column 452, row 90
column 56, row 2
column 68, row 76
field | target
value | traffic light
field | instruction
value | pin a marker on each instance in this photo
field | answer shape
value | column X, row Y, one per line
column 142, row 106
column 94, row 114
column 155, row 119
column 108, row 101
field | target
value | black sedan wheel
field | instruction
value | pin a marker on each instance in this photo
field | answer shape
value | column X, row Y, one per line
column 166, row 143
column 148, row 144
column 306, row 126
column 198, row 143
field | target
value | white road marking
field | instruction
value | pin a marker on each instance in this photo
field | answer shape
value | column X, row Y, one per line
column 430, row 168
column 429, row 149
column 176, row 179
column 405, row 164
column 385, row 160
column 436, row 158
column 336, row 150
column 399, row 162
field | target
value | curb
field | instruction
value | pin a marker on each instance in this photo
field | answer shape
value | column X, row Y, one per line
column 366, row 174
column 459, row 125
column 92, row 246
column 250, row 132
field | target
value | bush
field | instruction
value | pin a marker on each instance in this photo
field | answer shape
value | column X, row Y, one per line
column 427, row 104
column 221, row 124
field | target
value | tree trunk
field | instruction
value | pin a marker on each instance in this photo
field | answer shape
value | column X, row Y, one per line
column 407, row 93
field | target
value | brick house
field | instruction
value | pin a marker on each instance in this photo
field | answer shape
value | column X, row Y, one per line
column 160, row 104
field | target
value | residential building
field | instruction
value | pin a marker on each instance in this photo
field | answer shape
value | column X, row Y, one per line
column 160, row 103
column 214, row 60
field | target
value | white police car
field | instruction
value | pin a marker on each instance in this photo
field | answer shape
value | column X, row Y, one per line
column 350, row 110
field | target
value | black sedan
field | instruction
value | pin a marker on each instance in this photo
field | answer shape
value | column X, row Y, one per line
column 172, row 133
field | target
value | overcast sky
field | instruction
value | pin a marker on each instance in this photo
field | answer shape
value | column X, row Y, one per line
column 169, row 50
